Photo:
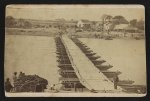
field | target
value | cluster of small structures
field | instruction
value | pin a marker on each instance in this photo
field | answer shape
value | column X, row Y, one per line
column 26, row 83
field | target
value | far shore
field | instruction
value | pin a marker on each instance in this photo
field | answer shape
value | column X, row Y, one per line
column 84, row 34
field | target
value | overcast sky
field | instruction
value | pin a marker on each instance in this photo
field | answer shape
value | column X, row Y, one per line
column 91, row 12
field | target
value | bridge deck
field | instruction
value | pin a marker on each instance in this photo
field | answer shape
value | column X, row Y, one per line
column 87, row 73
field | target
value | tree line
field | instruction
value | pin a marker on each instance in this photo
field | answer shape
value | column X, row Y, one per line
column 11, row 22
column 109, row 21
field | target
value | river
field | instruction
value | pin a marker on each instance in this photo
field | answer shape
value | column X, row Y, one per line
column 125, row 55
column 36, row 55
column 32, row 55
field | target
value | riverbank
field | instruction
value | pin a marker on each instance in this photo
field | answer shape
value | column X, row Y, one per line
column 84, row 34
column 62, row 94
column 32, row 32
column 104, row 35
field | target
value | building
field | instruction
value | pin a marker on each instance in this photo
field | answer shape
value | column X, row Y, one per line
column 131, row 29
column 84, row 24
column 120, row 27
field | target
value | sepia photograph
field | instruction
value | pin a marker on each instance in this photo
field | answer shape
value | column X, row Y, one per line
column 75, row 51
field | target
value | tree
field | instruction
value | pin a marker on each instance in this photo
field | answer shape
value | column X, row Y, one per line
column 10, row 21
column 20, row 23
column 106, row 21
column 133, row 22
column 110, row 22
column 119, row 20
column 27, row 24
column 140, row 25
column 106, row 18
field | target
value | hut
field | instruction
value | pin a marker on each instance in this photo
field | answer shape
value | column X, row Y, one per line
column 131, row 29
column 84, row 24
column 120, row 27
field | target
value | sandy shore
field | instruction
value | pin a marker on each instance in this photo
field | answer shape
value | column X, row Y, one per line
column 62, row 94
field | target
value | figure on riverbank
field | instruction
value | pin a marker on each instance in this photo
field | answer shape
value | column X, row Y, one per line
column 116, row 80
column 8, row 86
column 15, row 77
column 39, row 88
column 15, row 80
column 20, row 75
column 52, row 87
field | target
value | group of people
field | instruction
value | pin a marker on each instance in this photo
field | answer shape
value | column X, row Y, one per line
column 8, row 86
column 54, row 88
column 26, row 80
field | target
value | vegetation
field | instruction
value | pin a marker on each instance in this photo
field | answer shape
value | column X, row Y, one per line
column 10, row 21
column 138, row 24
column 14, row 23
column 119, row 20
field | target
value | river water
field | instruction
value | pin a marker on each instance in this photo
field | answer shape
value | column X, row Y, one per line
column 32, row 55
column 36, row 55
column 125, row 55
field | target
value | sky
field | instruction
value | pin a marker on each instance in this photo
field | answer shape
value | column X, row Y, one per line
column 77, row 12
